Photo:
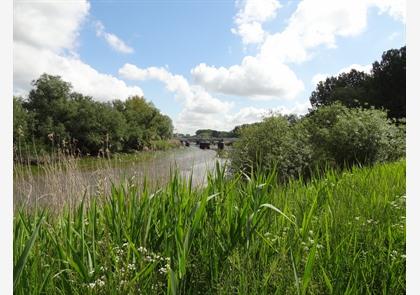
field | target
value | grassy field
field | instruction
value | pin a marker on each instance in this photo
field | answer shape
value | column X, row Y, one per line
column 343, row 233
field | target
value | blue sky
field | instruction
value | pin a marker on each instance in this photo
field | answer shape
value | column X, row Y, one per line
column 207, row 64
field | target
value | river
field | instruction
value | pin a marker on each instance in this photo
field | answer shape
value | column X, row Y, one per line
column 59, row 185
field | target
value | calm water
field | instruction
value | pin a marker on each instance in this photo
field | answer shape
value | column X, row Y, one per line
column 55, row 187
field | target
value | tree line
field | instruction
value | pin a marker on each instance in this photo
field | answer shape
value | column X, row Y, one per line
column 382, row 88
column 356, row 118
column 54, row 116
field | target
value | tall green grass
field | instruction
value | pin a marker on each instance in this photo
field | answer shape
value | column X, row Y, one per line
column 341, row 234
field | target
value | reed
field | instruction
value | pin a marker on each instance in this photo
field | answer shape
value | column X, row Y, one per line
column 341, row 233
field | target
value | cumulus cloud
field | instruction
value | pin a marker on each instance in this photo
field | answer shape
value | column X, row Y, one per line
column 194, row 97
column 200, row 109
column 316, row 23
column 313, row 24
column 252, row 114
column 361, row 68
column 48, row 25
column 45, row 41
column 116, row 43
column 250, row 18
column 189, row 122
column 253, row 78
column 395, row 8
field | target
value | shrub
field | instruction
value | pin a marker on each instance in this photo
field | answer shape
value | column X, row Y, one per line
column 331, row 136
column 346, row 136
column 274, row 142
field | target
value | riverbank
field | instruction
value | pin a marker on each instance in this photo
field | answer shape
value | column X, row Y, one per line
column 68, row 180
column 342, row 233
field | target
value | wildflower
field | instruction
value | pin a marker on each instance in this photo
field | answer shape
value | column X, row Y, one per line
column 319, row 246
column 142, row 249
column 357, row 218
column 162, row 270
column 311, row 233
column 92, row 285
column 131, row 267
column 101, row 283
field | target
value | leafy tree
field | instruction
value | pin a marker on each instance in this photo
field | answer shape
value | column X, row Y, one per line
column 145, row 123
column 351, row 89
column 344, row 136
column 20, row 120
column 50, row 104
column 384, row 87
column 389, row 82
column 59, row 117
column 275, row 142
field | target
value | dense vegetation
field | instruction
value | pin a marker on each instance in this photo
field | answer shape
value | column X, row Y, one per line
column 383, row 88
column 55, row 116
column 332, row 136
column 341, row 234
column 297, row 214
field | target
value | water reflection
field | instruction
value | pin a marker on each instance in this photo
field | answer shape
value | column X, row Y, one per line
column 55, row 187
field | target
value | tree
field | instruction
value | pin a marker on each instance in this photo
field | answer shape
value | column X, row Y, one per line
column 383, row 88
column 351, row 89
column 52, row 109
column 20, row 120
column 389, row 81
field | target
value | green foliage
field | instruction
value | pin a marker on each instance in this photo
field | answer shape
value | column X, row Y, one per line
column 341, row 234
column 330, row 136
column 55, row 117
column 20, row 120
column 346, row 136
column 383, row 88
column 273, row 142
column 208, row 133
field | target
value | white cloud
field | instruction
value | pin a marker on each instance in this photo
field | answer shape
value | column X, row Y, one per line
column 250, row 18
column 112, row 40
column 194, row 97
column 45, row 40
column 200, row 109
column 361, row 68
column 313, row 24
column 253, row 78
column 395, row 8
column 316, row 23
column 189, row 122
column 48, row 25
column 252, row 114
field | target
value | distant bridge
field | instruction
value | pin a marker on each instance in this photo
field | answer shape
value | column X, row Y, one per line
column 206, row 143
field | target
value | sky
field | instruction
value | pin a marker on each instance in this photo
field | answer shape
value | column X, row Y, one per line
column 205, row 63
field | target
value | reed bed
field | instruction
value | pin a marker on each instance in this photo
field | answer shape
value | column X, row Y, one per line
column 342, row 233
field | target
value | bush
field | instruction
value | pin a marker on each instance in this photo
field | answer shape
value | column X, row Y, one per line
column 331, row 136
column 274, row 142
column 346, row 136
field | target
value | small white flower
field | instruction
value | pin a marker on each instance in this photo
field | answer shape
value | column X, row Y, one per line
column 131, row 267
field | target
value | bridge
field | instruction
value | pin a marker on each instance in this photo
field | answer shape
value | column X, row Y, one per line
column 206, row 143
